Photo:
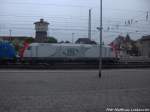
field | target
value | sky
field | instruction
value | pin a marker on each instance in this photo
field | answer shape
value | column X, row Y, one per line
column 71, row 16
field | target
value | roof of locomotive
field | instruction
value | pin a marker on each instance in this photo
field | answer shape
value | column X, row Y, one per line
column 64, row 44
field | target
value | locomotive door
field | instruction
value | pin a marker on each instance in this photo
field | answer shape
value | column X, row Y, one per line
column 34, row 51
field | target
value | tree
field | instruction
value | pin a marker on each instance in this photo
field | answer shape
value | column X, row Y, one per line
column 135, row 51
column 52, row 40
column 61, row 42
column 67, row 41
column 29, row 40
column 128, row 39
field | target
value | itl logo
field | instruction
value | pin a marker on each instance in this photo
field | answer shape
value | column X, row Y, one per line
column 71, row 52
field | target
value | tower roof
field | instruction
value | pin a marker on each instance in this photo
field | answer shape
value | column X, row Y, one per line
column 41, row 21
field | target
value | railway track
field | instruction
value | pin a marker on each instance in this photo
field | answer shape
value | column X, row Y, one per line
column 74, row 66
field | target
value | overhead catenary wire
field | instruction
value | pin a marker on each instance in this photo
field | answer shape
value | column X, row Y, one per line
column 64, row 23
column 68, row 5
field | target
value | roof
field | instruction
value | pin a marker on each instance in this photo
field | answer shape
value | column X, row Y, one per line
column 145, row 38
column 56, row 44
column 41, row 21
column 85, row 41
column 13, row 37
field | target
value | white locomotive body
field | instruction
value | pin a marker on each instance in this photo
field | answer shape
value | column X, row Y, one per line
column 80, row 52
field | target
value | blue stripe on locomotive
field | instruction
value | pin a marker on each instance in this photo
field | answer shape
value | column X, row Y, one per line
column 7, row 51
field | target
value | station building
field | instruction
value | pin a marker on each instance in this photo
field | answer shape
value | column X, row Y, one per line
column 145, row 46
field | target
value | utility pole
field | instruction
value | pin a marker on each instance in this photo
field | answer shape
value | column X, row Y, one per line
column 101, row 34
column 89, row 25
column 10, row 31
column 73, row 37
column 147, row 14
